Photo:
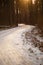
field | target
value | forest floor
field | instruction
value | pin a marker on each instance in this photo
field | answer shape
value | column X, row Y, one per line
column 22, row 45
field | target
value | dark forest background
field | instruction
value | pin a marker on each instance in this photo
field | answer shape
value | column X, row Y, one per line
column 13, row 12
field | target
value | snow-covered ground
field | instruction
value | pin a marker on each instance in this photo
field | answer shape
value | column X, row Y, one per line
column 16, row 50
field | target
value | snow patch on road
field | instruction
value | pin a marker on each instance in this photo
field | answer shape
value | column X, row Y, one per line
column 15, row 50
